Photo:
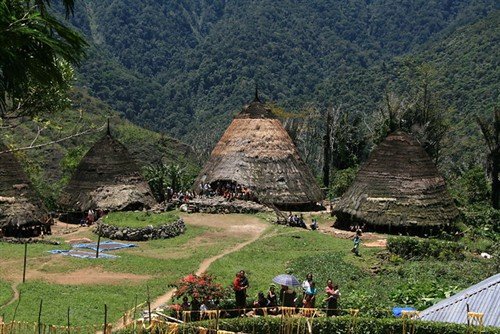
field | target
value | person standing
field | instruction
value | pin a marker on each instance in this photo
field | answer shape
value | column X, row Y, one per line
column 306, row 285
column 310, row 296
column 357, row 242
column 333, row 294
column 240, row 286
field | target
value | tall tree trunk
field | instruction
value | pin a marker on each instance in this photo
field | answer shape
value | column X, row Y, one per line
column 491, row 136
column 327, row 150
column 495, row 181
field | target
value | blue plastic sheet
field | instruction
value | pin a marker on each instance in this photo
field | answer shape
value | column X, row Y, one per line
column 398, row 310
column 81, row 254
column 105, row 245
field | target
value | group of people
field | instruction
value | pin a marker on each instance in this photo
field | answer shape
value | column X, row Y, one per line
column 180, row 196
column 91, row 217
column 227, row 189
column 287, row 296
column 298, row 221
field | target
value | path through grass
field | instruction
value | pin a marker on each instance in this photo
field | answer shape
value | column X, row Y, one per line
column 64, row 282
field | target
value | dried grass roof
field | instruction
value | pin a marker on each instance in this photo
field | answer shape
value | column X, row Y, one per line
column 257, row 152
column 107, row 178
column 19, row 203
column 399, row 185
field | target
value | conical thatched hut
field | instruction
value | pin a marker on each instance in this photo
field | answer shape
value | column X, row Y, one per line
column 398, row 189
column 107, row 178
column 257, row 153
column 21, row 211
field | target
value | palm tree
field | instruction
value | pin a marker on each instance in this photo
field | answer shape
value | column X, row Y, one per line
column 34, row 46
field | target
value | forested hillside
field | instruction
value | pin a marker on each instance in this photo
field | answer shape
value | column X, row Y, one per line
column 50, row 166
column 185, row 67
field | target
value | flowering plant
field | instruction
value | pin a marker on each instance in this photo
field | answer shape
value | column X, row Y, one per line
column 201, row 286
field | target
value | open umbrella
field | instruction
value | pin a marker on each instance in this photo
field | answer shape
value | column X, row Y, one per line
column 285, row 279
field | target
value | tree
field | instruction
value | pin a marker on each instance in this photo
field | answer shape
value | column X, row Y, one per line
column 36, row 51
column 418, row 110
column 160, row 176
column 491, row 134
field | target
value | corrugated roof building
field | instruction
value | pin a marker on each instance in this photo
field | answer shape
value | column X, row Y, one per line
column 483, row 297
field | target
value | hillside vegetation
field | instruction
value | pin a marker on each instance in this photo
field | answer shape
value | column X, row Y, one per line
column 51, row 166
column 186, row 66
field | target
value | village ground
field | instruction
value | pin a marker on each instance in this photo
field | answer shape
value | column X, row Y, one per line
column 221, row 245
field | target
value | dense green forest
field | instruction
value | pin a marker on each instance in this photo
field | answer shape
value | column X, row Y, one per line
column 185, row 67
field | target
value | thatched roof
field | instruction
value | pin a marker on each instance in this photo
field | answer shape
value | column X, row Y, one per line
column 257, row 152
column 19, row 203
column 107, row 178
column 398, row 186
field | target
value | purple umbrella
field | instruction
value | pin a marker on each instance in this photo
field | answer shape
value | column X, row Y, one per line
column 288, row 280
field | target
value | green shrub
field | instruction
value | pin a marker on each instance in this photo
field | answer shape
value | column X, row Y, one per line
column 416, row 248
column 342, row 180
column 338, row 325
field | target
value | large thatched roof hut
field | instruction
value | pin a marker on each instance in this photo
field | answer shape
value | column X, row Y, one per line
column 257, row 153
column 107, row 178
column 21, row 211
column 399, row 188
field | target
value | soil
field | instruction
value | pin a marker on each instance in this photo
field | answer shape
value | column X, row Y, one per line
column 87, row 276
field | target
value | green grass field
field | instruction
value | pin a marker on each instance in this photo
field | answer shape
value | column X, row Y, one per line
column 140, row 219
column 373, row 282
column 159, row 262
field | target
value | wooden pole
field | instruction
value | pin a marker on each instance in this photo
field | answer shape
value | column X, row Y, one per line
column 40, row 317
column 98, row 242
column 25, row 256
column 105, row 318
column 69, row 331
column 149, row 304
column 135, row 310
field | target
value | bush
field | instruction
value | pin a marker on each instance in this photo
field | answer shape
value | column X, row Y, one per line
column 342, row 180
column 338, row 325
column 416, row 248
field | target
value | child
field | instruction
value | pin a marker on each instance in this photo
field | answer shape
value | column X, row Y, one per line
column 357, row 241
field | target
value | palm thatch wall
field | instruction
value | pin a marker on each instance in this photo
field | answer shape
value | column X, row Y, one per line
column 398, row 187
column 257, row 152
column 20, row 206
column 107, row 178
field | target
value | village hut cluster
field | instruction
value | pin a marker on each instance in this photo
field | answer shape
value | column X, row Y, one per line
column 397, row 189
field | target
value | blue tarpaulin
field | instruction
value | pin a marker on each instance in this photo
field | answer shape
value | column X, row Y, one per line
column 82, row 254
column 398, row 310
column 104, row 246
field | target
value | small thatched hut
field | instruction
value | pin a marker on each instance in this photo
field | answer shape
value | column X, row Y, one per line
column 398, row 189
column 257, row 154
column 108, row 179
column 22, row 214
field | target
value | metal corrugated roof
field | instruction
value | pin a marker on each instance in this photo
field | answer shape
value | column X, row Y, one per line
column 483, row 297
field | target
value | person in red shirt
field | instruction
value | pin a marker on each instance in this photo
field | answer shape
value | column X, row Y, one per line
column 240, row 286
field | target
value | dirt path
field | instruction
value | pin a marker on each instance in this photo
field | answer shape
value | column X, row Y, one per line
column 203, row 267
column 14, row 297
column 231, row 225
